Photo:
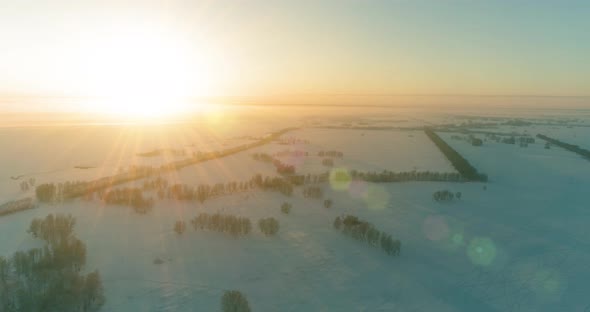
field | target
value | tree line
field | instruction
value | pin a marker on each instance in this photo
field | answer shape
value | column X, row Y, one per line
column 128, row 196
column 235, row 226
column 49, row 279
column 364, row 231
column 229, row 224
column 386, row 176
column 459, row 162
column 570, row 147
column 204, row 192
column 78, row 189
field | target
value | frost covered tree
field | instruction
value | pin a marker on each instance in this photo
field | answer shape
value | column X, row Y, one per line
column 234, row 301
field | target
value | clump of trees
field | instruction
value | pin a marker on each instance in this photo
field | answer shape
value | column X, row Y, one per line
column 286, row 208
column 132, row 197
column 461, row 164
column 445, row 196
column 236, row 226
column 313, row 192
column 179, row 227
column 46, row 192
column 268, row 226
column 364, row 231
column 234, row 301
column 49, row 278
column 475, row 141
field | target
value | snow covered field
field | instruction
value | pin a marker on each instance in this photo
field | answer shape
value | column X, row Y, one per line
column 517, row 243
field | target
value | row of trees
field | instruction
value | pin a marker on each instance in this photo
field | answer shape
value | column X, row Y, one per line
column 16, row 206
column 49, row 279
column 235, row 226
column 132, row 197
column 224, row 223
column 570, row 147
column 461, row 164
column 204, row 192
column 364, row 231
column 445, row 195
column 50, row 192
column 386, row 176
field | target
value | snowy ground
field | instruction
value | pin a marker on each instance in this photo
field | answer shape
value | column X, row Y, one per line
column 519, row 245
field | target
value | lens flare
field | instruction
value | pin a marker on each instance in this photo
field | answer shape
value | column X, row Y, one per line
column 481, row 251
column 340, row 179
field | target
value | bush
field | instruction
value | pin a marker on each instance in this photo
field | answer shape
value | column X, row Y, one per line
column 268, row 226
column 286, row 208
column 234, row 301
column 444, row 195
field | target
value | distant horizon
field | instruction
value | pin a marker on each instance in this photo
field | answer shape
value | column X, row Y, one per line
column 71, row 104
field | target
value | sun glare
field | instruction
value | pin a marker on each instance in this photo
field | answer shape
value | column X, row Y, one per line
column 144, row 75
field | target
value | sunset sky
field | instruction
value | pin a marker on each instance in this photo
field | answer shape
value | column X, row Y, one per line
column 222, row 48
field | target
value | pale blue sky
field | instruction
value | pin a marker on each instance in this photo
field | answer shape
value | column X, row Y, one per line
column 277, row 47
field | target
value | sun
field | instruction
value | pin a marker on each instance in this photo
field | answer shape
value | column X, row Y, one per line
column 140, row 74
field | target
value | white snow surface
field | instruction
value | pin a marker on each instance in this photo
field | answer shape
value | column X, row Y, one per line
column 518, row 245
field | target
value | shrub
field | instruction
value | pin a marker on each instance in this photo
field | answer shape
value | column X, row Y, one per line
column 286, row 208
column 268, row 226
